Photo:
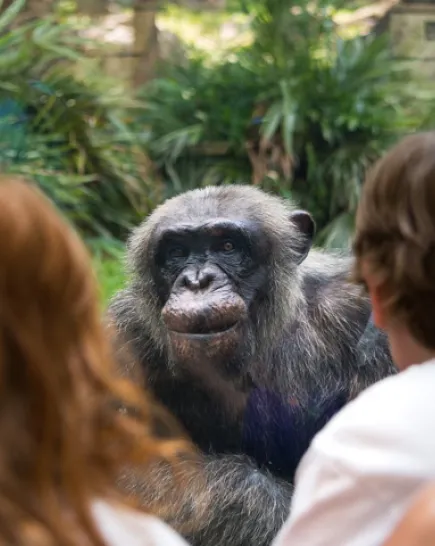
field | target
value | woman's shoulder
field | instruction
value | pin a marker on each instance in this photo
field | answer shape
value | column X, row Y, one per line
column 121, row 526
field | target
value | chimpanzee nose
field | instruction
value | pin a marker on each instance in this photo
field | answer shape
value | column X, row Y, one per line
column 198, row 279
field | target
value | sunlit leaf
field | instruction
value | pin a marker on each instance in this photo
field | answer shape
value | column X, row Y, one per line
column 10, row 13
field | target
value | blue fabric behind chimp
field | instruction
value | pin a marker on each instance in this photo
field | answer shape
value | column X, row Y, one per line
column 277, row 432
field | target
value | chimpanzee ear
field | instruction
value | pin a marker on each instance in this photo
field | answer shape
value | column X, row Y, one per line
column 306, row 227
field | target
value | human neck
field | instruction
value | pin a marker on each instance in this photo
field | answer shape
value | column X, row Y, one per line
column 406, row 350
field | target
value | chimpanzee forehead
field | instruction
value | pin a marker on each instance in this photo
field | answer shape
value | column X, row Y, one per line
column 198, row 212
column 241, row 205
column 198, row 207
column 212, row 227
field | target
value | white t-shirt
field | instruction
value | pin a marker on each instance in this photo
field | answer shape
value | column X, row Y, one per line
column 363, row 469
column 120, row 526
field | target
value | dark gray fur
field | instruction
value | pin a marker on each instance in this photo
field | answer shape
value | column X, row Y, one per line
column 309, row 332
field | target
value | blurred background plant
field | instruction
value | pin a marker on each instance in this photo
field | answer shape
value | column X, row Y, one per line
column 301, row 110
column 274, row 93
column 69, row 132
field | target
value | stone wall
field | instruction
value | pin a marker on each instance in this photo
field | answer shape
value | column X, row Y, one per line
column 412, row 33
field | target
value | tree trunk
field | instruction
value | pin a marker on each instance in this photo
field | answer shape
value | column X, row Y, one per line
column 146, row 45
column 94, row 8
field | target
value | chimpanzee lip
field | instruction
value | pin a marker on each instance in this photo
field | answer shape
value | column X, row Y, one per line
column 206, row 334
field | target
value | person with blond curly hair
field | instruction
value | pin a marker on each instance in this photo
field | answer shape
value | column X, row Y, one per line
column 364, row 470
column 69, row 425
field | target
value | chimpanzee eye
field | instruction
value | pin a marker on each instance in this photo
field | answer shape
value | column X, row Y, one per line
column 177, row 251
column 228, row 246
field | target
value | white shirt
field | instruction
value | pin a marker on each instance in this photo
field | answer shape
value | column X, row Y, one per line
column 362, row 470
column 120, row 526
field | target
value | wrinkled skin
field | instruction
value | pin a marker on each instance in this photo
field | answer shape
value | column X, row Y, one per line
column 205, row 307
column 203, row 315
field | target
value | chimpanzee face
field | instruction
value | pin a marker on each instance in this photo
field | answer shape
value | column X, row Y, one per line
column 207, row 277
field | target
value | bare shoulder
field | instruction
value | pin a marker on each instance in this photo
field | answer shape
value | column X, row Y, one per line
column 120, row 526
column 418, row 525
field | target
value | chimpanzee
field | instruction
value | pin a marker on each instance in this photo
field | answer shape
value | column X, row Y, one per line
column 249, row 338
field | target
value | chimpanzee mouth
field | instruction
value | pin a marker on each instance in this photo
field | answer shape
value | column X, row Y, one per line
column 204, row 332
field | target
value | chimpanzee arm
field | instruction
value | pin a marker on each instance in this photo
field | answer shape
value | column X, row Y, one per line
column 276, row 432
column 216, row 500
column 212, row 500
column 225, row 392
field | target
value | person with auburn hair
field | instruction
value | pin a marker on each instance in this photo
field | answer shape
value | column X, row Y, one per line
column 63, row 440
column 364, row 469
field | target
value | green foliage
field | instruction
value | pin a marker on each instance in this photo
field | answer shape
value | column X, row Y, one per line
column 194, row 105
column 68, row 131
column 316, row 109
column 200, row 93
column 108, row 263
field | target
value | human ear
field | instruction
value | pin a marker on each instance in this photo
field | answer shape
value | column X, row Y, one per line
column 377, row 297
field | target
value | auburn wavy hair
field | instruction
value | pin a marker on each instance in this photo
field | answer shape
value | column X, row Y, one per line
column 63, row 440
